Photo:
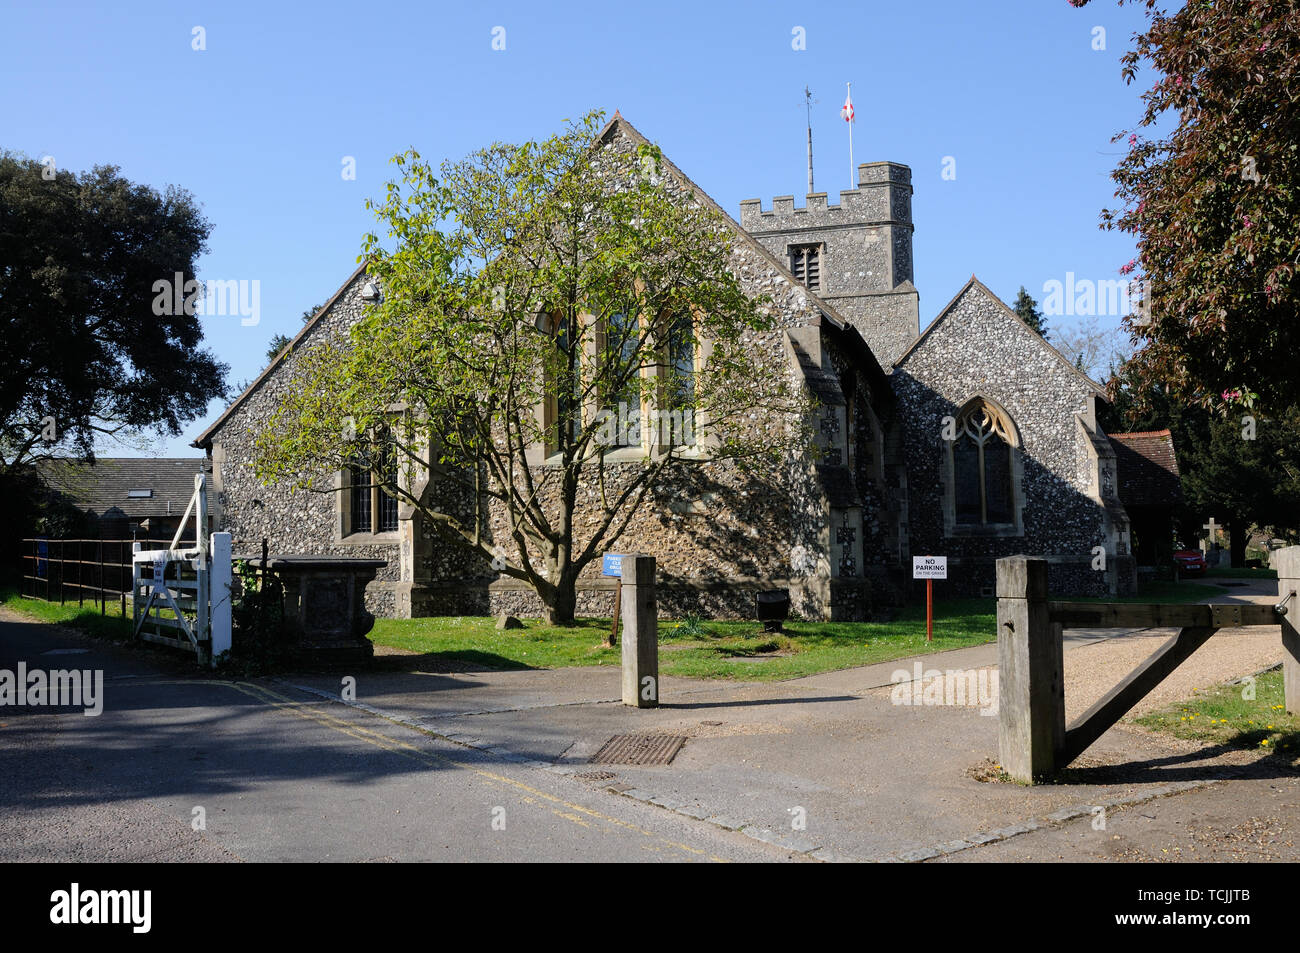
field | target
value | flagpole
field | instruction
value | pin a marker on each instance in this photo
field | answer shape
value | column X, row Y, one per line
column 807, row 95
column 852, row 184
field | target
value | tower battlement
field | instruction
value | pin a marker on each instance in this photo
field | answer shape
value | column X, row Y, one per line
column 883, row 195
column 857, row 255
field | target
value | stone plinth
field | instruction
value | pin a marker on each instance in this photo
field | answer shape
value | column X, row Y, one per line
column 325, row 615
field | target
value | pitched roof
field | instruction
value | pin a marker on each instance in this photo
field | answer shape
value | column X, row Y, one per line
column 824, row 386
column 204, row 439
column 1148, row 468
column 619, row 123
column 976, row 283
column 108, row 484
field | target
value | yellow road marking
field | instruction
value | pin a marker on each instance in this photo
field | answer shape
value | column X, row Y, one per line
column 284, row 703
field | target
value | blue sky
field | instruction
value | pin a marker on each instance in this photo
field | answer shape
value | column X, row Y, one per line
column 257, row 125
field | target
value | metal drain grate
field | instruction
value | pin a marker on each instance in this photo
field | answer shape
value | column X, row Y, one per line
column 639, row 749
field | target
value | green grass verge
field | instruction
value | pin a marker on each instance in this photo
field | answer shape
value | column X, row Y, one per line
column 702, row 649
column 111, row 625
column 1165, row 592
column 1222, row 716
column 1227, row 572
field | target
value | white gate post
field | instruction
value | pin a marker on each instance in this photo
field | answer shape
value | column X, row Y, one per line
column 203, row 578
column 219, row 592
column 135, row 589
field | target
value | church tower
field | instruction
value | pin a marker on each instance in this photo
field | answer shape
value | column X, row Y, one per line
column 857, row 255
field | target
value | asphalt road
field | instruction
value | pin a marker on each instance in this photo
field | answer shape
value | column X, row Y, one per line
column 274, row 775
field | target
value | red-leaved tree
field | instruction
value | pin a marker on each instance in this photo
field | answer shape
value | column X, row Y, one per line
column 1209, row 189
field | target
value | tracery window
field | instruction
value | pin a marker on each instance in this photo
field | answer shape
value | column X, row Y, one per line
column 982, row 468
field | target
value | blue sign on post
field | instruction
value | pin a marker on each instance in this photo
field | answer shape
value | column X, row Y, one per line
column 613, row 565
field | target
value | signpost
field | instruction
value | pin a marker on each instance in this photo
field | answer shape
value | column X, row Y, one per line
column 612, row 565
column 929, row 568
column 159, row 580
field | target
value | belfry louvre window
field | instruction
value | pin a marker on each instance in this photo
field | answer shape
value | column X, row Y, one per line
column 981, row 467
column 373, row 509
column 805, row 263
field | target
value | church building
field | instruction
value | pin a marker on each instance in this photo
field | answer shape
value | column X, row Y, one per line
column 973, row 438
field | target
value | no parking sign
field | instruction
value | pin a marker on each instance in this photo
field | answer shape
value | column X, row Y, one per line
column 929, row 568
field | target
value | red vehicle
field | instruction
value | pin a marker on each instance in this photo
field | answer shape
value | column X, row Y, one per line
column 1190, row 562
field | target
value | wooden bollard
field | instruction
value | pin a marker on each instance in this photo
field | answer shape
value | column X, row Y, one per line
column 1031, row 680
column 640, row 632
column 1288, row 582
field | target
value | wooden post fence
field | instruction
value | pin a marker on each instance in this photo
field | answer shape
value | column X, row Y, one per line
column 1033, row 740
column 1288, row 581
column 1031, row 700
column 640, row 649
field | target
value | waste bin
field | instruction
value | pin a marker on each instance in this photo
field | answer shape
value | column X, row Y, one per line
column 773, row 608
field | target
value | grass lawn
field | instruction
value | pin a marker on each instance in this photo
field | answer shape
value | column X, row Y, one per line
column 704, row 649
column 1227, row 572
column 1220, row 715
column 111, row 625
column 740, row 650
column 1162, row 591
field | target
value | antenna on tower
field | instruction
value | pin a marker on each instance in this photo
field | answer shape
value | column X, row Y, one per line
column 809, row 102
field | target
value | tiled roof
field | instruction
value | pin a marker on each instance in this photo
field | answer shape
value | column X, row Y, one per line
column 1148, row 468
column 108, row 483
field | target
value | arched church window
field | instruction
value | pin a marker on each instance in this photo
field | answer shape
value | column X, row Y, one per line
column 982, row 466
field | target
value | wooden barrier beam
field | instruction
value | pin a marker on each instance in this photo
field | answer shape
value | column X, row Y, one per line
column 1031, row 681
column 1139, row 683
column 1149, row 615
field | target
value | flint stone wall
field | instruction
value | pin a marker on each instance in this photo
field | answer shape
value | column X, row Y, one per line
column 293, row 522
column 978, row 348
column 724, row 532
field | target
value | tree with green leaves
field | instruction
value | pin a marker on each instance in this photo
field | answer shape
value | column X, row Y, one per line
column 85, row 352
column 279, row 342
column 1026, row 309
column 1243, row 470
column 561, row 336
column 1211, row 190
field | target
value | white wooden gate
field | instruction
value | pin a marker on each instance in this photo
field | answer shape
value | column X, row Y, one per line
column 181, row 594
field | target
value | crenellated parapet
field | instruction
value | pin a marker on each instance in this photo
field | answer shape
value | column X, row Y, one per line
column 862, row 246
column 883, row 196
